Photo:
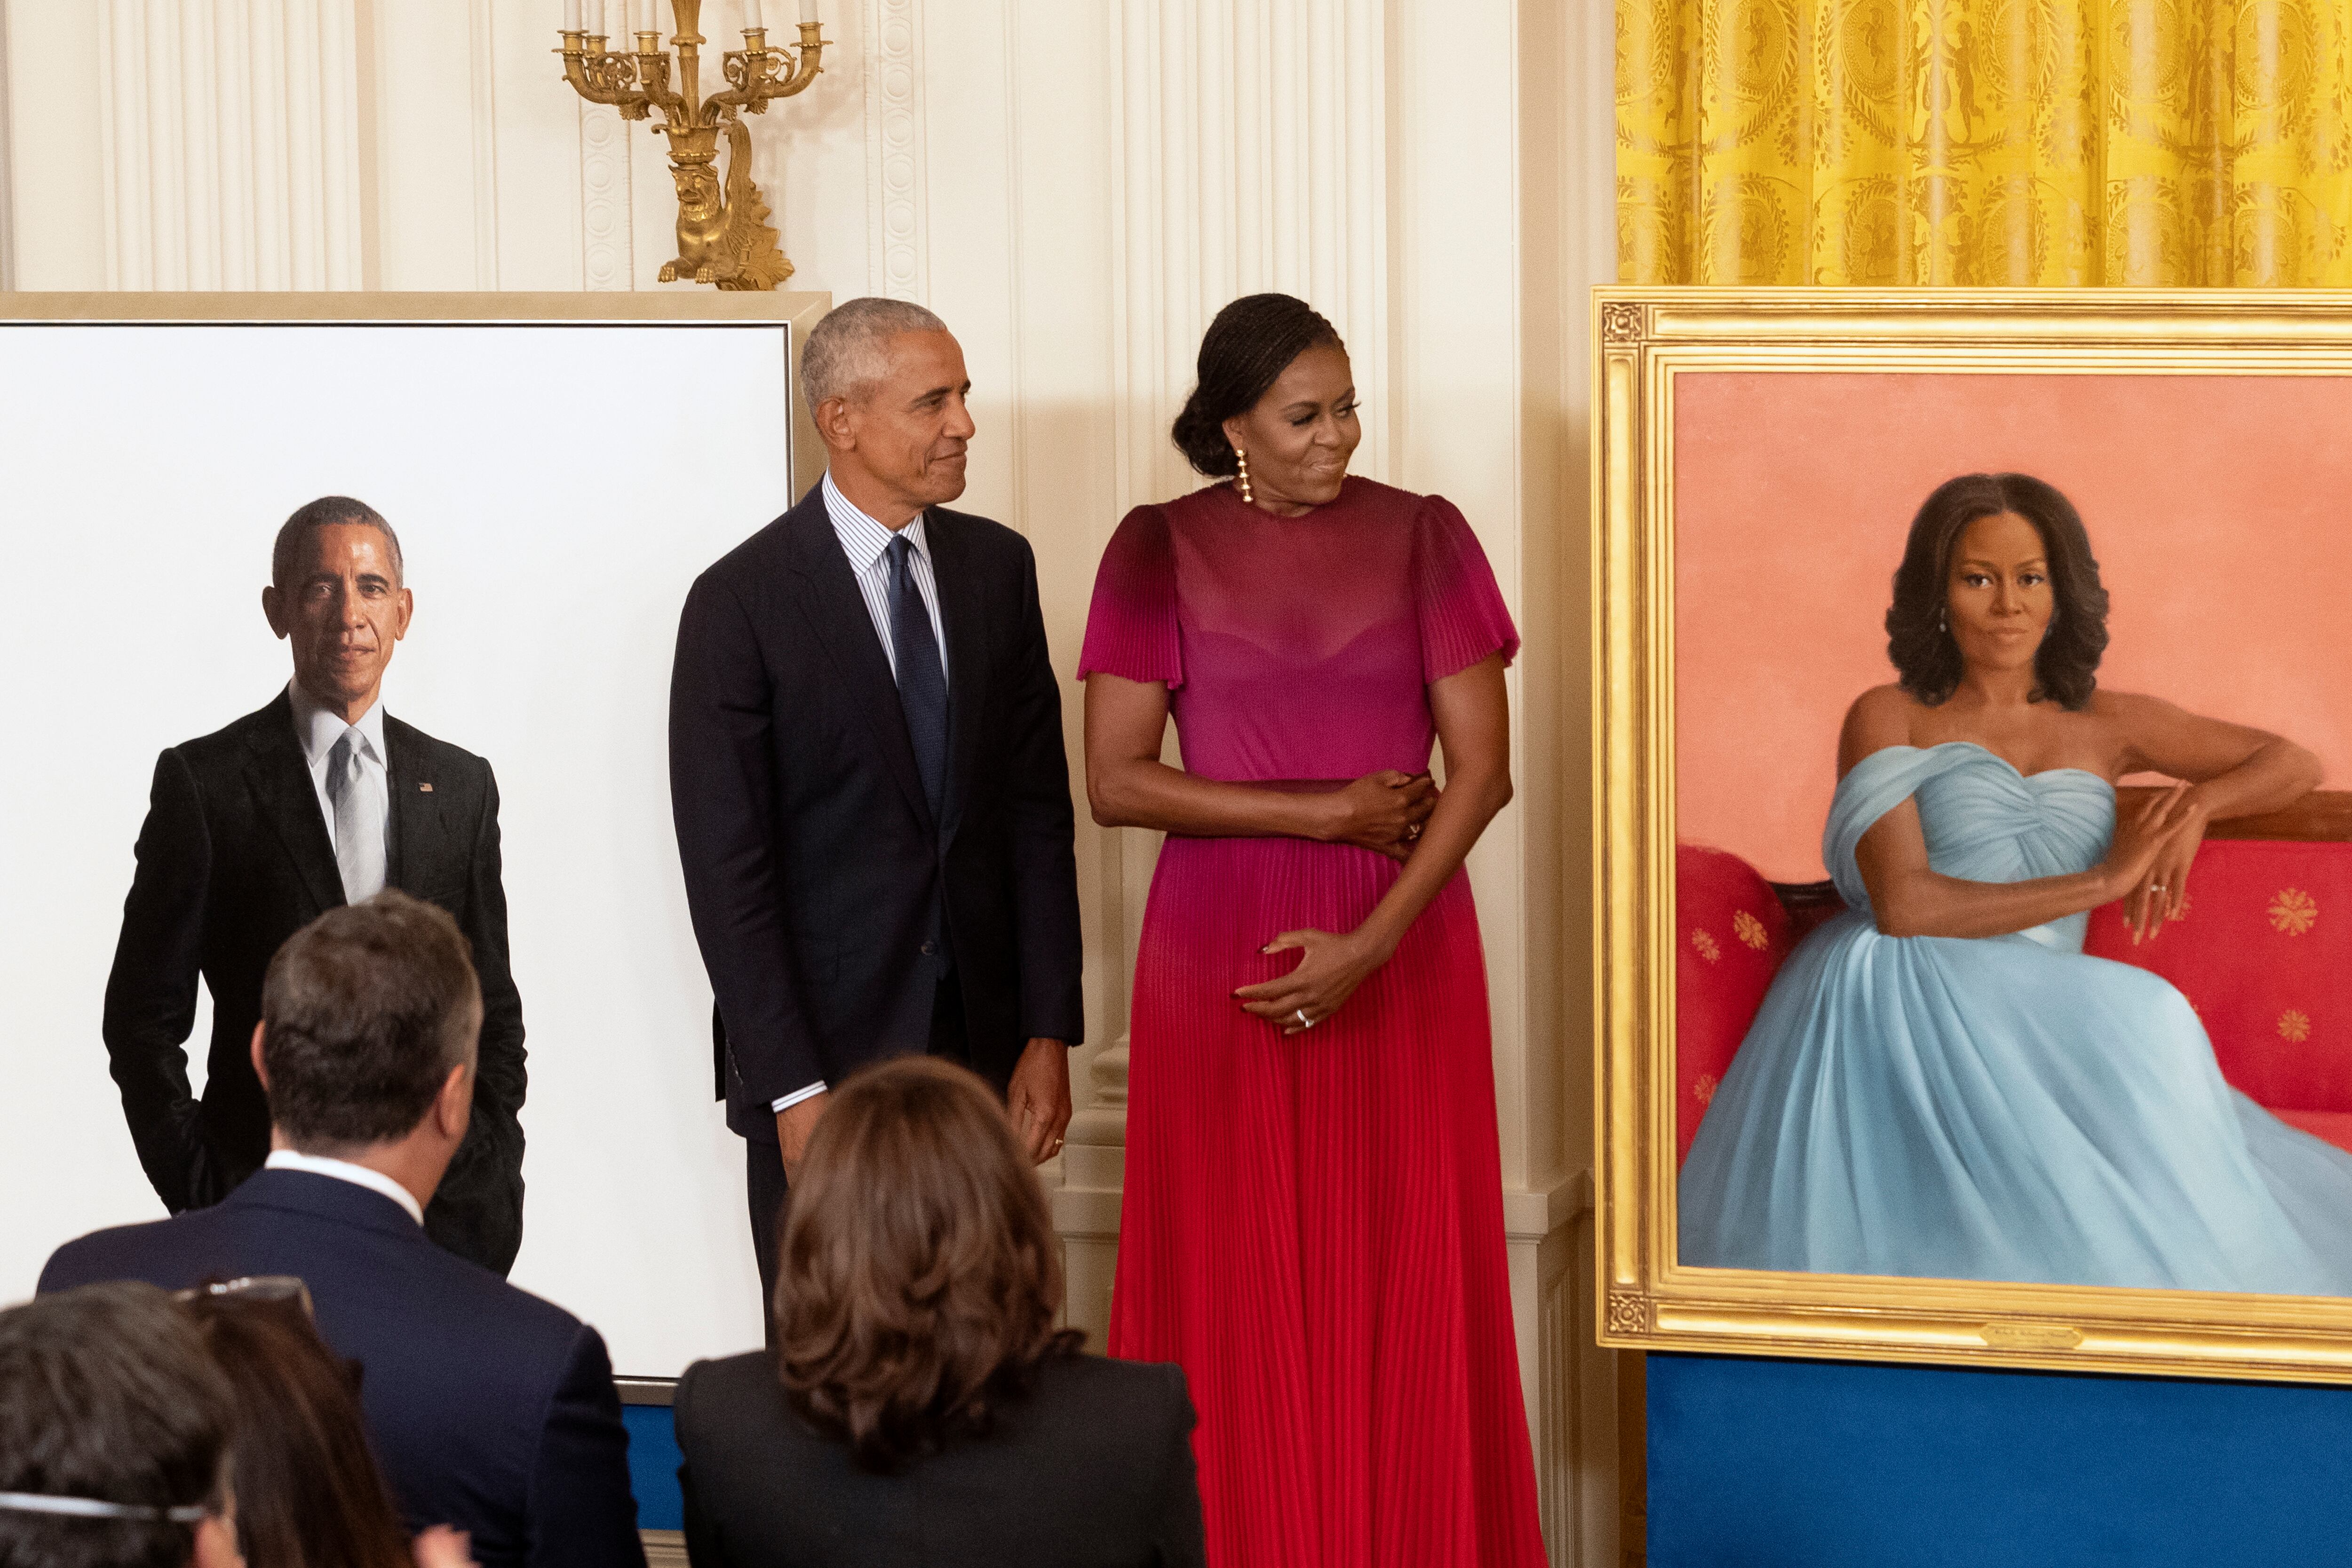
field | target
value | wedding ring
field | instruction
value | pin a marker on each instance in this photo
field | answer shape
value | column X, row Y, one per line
column 1304, row 1021
column 2155, row 887
column 1413, row 831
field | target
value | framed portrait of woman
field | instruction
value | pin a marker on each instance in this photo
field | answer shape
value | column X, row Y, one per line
column 1974, row 911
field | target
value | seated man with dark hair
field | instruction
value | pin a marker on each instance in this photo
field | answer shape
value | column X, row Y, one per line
column 491, row 1410
column 114, row 1432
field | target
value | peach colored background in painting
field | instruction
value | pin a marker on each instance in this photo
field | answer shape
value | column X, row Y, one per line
column 2220, row 510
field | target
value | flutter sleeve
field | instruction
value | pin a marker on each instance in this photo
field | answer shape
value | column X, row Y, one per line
column 1463, row 619
column 1132, row 627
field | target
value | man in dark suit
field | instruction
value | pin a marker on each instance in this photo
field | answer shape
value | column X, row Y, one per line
column 491, row 1410
column 317, row 800
column 872, row 801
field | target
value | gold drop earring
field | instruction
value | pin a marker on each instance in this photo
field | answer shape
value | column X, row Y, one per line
column 1241, row 478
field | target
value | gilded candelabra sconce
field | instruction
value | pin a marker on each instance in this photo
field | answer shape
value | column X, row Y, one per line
column 723, row 234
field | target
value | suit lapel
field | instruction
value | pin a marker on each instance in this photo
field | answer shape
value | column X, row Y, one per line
column 959, row 616
column 417, row 842
column 280, row 777
column 837, row 613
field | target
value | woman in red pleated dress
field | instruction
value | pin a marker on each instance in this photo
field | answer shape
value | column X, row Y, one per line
column 1313, row 1218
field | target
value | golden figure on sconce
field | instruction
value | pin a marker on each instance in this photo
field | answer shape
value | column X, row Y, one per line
column 723, row 234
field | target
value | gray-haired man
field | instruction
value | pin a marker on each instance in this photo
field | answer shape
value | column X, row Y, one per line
column 866, row 769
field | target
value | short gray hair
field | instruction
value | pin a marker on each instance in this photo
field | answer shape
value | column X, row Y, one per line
column 843, row 354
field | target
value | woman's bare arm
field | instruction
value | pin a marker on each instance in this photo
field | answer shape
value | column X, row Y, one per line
column 1910, row 897
column 2231, row 770
column 1474, row 728
column 1129, row 787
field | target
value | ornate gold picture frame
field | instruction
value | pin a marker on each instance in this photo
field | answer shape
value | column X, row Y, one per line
column 1656, row 349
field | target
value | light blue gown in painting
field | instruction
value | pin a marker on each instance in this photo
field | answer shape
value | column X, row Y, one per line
column 1998, row 1107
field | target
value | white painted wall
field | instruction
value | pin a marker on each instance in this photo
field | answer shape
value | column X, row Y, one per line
column 1076, row 185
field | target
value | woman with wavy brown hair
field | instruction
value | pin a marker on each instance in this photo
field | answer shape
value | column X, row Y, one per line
column 920, row 1406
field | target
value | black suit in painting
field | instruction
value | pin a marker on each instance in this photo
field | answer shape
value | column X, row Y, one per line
column 835, row 916
column 234, row 858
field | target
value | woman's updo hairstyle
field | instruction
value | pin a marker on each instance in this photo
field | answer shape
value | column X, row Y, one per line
column 1245, row 351
column 1919, row 638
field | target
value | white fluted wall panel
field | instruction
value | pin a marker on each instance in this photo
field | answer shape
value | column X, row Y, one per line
column 7, row 180
column 1252, row 158
column 230, row 142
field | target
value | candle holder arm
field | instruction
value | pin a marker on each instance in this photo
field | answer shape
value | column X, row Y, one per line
column 604, row 75
column 757, row 77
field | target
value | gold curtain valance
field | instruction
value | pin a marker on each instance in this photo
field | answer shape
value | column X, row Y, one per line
column 1984, row 142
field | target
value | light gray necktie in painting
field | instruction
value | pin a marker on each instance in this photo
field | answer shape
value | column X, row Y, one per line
column 359, row 821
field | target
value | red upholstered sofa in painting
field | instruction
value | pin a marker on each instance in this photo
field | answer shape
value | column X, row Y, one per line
column 2264, row 955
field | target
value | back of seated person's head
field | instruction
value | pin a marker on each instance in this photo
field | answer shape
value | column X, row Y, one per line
column 309, row 1494
column 918, row 1274
column 365, row 1013
column 109, row 1406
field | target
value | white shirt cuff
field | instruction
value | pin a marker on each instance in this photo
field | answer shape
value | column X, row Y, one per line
column 810, row 1092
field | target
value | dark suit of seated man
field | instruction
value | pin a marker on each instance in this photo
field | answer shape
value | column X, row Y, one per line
column 318, row 799
column 491, row 1410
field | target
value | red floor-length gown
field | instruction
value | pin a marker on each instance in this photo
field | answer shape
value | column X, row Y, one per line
column 1313, row 1223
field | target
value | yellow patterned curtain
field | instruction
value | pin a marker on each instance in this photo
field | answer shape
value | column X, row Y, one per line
column 1984, row 142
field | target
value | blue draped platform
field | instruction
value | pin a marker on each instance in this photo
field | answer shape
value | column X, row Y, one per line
column 1758, row 1464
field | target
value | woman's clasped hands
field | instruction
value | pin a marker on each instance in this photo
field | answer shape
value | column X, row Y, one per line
column 2147, row 862
column 1382, row 812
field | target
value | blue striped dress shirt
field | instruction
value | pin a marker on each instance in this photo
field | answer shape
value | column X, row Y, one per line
column 865, row 540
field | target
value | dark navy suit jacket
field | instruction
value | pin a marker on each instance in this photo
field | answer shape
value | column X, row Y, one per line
column 490, row 1409
column 818, row 881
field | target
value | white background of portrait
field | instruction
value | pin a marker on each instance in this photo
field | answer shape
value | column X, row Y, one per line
column 534, row 474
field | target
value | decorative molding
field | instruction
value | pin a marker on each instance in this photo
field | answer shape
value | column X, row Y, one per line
column 607, row 239
column 1628, row 1313
column 1558, row 1345
column 1264, row 170
column 1086, row 1203
column 1623, row 322
column 482, row 85
column 894, row 149
column 8, row 191
column 231, row 152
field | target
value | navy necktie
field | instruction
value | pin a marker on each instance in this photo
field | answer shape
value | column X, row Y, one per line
column 922, row 679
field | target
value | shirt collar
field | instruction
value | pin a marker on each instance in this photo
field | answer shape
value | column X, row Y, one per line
column 345, row 1171
column 863, row 539
column 318, row 730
